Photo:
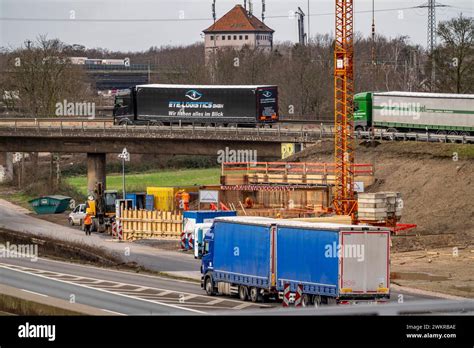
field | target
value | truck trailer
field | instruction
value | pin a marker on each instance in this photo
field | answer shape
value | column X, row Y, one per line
column 158, row 104
column 257, row 258
column 442, row 113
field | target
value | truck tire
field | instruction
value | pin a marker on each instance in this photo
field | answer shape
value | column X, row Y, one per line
column 243, row 293
column 317, row 300
column 306, row 300
column 209, row 286
column 255, row 296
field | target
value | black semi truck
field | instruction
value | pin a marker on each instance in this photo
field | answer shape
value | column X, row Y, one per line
column 231, row 105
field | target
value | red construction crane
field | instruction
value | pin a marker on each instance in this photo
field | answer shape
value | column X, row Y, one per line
column 344, row 201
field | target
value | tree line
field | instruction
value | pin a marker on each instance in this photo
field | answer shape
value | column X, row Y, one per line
column 36, row 77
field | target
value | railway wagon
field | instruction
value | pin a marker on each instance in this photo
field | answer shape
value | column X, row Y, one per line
column 440, row 113
column 158, row 104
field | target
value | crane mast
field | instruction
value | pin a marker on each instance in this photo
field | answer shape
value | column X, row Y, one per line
column 344, row 199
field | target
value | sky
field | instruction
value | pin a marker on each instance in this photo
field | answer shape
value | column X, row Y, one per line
column 137, row 25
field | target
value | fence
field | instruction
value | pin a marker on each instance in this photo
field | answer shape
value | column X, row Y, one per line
column 139, row 224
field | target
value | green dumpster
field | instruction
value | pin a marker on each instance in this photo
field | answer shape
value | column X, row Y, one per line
column 50, row 204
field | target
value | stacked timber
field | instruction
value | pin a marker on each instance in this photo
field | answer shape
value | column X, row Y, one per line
column 380, row 206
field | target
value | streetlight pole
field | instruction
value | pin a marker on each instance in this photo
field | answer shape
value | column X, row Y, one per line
column 124, row 156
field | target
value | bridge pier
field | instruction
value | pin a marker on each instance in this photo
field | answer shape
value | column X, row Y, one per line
column 95, row 170
column 6, row 167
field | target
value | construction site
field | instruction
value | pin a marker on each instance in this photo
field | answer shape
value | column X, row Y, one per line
column 240, row 175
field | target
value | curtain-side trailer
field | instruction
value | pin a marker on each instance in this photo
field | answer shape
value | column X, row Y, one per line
column 442, row 113
column 158, row 104
column 258, row 257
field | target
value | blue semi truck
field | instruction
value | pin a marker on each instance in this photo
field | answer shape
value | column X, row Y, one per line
column 256, row 258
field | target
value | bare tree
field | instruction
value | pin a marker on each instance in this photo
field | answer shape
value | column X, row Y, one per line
column 455, row 56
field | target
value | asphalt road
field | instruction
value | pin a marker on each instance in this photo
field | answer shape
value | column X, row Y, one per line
column 115, row 291
column 15, row 218
column 129, row 293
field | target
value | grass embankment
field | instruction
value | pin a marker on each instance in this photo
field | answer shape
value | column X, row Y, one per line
column 139, row 182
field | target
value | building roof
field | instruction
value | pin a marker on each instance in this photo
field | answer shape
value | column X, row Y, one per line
column 238, row 20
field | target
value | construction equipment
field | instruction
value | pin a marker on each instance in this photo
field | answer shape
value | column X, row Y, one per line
column 344, row 199
column 101, row 206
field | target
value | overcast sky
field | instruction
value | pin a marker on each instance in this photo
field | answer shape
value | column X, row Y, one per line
column 101, row 23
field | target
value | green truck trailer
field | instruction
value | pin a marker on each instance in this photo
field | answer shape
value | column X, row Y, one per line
column 441, row 113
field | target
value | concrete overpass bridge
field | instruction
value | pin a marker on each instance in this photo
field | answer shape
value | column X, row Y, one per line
column 97, row 138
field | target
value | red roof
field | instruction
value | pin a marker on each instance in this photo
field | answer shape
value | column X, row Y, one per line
column 238, row 19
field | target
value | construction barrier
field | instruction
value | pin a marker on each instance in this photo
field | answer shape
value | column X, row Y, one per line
column 139, row 224
column 114, row 230
column 119, row 231
column 286, row 295
column 299, row 296
column 190, row 239
column 183, row 241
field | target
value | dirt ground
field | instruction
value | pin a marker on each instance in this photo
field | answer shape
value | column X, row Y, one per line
column 436, row 182
column 435, row 270
column 437, row 186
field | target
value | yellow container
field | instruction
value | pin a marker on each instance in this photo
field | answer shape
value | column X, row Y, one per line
column 165, row 197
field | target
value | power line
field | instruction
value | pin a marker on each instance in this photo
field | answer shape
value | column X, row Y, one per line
column 112, row 20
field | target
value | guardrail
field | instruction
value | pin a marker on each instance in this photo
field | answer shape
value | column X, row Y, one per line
column 90, row 129
column 406, row 136
column 303, row 134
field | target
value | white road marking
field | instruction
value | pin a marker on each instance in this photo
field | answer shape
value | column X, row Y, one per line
column 106, row 310
column 112, row 270
column 109, row 292
column 188, row 297
column 213, row 302
column 125, row 292
column 243, row 305
column 35, row 293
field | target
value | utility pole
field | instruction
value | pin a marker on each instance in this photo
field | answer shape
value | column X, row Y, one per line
column 214, row 48
column 263, row 10
column 374, row 61
column 125, row 157
column 309, row 24
column 431, row 37
column 301, row 31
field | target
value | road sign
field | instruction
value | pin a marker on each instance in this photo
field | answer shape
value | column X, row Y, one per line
column 359, row 186
column 299, row 295
column 286, row 295
column 125, row 155
column 183, row 241
column 208, row 196
column 190, row 241
column 119, row 231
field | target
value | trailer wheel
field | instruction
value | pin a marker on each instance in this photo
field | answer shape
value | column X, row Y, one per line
column 317, row 300
column 306, row 300
column 243, row 293
column 254, row 295
column 209, row 286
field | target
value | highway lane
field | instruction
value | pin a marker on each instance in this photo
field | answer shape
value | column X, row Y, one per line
column 116, row 291
column 129, row 293
column 15, row 218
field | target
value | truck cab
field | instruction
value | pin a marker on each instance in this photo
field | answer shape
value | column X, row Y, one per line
column 362, row 111
column 207, row 282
